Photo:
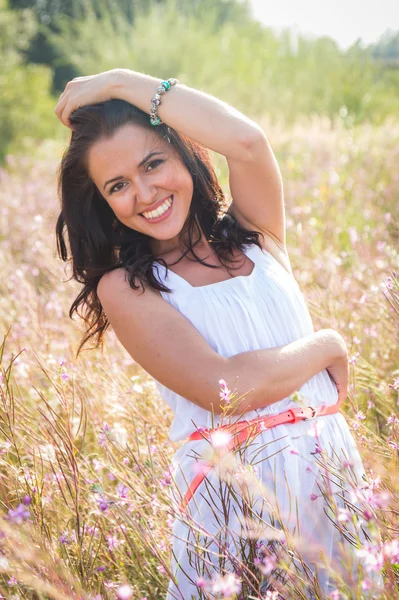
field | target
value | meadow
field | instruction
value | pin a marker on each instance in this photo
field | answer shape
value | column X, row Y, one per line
column 85, row 456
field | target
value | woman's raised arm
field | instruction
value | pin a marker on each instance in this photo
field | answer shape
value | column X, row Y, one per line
column 201, row 117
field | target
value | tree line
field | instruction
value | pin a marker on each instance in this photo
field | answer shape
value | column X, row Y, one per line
column 215, row 45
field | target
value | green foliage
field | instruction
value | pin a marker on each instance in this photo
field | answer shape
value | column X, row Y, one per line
column 213, row 45
column 26, row 107
column 237, row 60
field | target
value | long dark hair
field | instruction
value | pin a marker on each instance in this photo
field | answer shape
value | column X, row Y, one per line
column 99, row 242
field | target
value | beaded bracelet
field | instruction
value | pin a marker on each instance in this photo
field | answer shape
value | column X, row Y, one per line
column 164, row 86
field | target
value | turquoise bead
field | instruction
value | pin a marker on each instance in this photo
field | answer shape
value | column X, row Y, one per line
column 166, row 85
column 155, row 122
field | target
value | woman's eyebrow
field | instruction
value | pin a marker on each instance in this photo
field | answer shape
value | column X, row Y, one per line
column 150, row 155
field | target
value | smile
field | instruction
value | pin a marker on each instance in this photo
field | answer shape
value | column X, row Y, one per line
column 161, row 213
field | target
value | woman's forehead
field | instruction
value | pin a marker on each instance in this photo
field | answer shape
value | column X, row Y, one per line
column 129, row 145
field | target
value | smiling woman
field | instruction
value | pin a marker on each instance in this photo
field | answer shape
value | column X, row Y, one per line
column 149, row 189
column 137, row 199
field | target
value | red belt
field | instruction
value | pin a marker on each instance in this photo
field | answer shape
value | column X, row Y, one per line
column 242, row 430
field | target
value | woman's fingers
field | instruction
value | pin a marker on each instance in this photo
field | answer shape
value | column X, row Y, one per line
column 61, row 104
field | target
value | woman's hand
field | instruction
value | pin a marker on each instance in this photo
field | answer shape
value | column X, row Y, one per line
column 85, row 90
column 339, row 367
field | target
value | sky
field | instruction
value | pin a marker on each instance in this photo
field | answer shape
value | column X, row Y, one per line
column 343, row 20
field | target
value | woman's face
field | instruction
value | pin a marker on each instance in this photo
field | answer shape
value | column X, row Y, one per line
column 138, row 172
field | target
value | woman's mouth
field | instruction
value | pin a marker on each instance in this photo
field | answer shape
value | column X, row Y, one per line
column 161, row 213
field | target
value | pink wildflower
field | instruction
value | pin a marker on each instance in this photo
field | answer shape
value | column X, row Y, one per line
column 226, row 586
column 392, row 419
column 122, row 490
column 201, row 583
column 224, row 391
column 124, row 592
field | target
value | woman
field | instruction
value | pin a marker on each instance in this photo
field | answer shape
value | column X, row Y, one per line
column 197, row 293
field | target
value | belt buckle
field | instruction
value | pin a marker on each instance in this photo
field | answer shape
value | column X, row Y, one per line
column 313, row 413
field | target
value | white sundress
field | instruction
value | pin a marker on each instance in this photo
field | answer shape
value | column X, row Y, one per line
column 262, row 310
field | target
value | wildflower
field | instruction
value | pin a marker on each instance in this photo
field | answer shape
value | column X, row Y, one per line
column 18, row 515
column 294, row 451
column 101, row 568
column 122, row 490
column 166, row 479
column 391, row 551
column 27, row 500
column 103, row 435
column 360, row 416
column 335, row 595
column 64, row 538
column 343, row 515
column 366, row 584
column 224, row 391
column 97, row 464
column 103, row 504
column 313, row 497
column 395, row 385
column 372, row 558
column 266, row 564
column 392, row 420
column 220, row 438
column 271, row 595
column 113, row 542
column 201, row 583
column 124, row 592
column 317, row 450
column 161, row 569
column 226, row 586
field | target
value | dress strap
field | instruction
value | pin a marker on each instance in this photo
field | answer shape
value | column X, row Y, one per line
column 171, row 279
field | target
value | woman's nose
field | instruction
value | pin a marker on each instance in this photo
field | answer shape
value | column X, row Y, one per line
column 145, row 194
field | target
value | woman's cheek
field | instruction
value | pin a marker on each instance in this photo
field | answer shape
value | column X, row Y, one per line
column 122, row 208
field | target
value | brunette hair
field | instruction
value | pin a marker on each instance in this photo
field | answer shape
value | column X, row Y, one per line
column 99, row 242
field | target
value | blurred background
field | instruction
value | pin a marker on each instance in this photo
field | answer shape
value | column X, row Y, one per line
column 285, row 59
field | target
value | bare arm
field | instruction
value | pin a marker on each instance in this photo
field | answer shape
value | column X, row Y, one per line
column 172, row 350
column 200, row 116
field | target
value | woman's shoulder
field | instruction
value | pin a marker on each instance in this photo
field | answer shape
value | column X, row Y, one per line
column 116, row 282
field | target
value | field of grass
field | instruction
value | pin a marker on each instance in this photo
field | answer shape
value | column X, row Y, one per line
column 84, row 447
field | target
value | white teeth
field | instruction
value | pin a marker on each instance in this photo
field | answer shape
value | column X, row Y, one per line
column 159, row 211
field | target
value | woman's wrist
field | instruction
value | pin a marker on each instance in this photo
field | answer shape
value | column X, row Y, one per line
column 199, row 116
column 134, row 87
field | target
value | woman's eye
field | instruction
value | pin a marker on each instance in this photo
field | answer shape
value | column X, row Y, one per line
column 155, row 162
column 115, row 187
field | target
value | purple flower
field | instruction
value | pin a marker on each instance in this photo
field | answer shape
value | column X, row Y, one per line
column 122, row 490
column 317, row 450
column 18, row 515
